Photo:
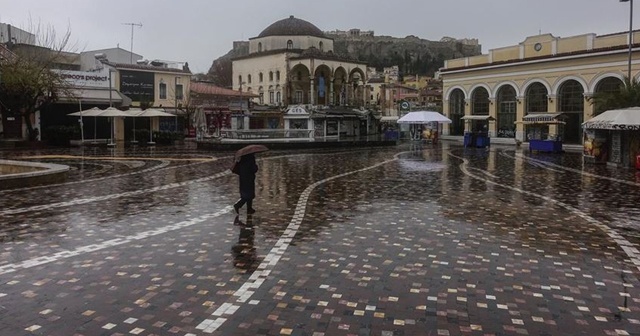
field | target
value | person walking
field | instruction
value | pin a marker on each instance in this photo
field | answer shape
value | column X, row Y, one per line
column 246, row 169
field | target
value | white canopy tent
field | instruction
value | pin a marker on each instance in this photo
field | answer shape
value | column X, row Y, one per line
column 621, row 120
column 423, row 117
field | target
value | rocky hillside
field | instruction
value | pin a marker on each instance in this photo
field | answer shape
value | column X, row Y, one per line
column 414, row 55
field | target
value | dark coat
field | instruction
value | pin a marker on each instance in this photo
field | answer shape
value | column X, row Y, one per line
column 247, row 169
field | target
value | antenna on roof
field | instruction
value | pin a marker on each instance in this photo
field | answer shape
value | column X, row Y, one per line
column 132, row 25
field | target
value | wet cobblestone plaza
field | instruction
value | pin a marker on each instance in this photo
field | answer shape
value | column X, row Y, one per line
column 379, row 241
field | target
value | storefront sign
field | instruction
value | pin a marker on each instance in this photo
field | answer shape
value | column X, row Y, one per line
column 82, row 79
column 137, row 85
column 297, row 110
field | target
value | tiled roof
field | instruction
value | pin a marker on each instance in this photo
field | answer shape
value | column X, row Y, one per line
column 210, row 89
column 5, row 53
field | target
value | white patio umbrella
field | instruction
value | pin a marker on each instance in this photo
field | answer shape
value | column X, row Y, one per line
column 200, row 122
column 92, row 112
column 134, row 113
column 112, row 113
column 151, row 113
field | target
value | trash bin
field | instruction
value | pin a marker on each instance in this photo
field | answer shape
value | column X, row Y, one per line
column 467, row 140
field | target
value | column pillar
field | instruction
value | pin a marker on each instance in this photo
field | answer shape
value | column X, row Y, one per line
column 331, row 97
column 467, row 112
column 519, row 115
column 493, row 112
column 552, row 107
column 589, row 109
column 312, row 91
column 446, row 128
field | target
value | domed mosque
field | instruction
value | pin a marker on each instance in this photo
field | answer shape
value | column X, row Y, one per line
column 300, row 83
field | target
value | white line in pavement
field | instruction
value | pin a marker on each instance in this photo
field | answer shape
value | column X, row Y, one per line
column 79, row 201
column 9, row 268
column 259, row 276
column 627, row 247
column 578, row 171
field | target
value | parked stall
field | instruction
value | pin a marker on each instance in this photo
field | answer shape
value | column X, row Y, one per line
column 477, row 130
column 544, row 131
column 421, row 121
column 613, row 137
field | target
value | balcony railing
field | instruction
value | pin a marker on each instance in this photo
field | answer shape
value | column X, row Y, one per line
column 267, row 134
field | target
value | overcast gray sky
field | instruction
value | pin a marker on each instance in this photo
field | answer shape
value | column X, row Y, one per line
column 199, row 31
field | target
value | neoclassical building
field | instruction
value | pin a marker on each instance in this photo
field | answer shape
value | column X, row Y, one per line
column 292, row 62
column 542, row 74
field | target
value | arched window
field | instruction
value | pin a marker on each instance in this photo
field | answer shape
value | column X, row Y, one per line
column 271, row 76
column 480, row 101
column 607, row 86
column 321, row 46
column 278, row 97
column 289, row 44
column 260, row 77
column 506, row 112
column 249, row 79
column 278, row 75
column 571, row 103
column 259, row 46
column 536, row 99
column 456, row 111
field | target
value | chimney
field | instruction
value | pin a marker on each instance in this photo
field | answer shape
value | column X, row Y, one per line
column 9, row 40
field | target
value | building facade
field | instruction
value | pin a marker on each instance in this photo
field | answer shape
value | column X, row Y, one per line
column 544, row 73
column 292, row 66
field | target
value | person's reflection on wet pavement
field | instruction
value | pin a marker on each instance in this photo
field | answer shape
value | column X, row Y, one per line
column 244, row 253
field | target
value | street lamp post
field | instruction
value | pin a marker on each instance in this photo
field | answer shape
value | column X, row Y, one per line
column 630, row 36
column 175, row 96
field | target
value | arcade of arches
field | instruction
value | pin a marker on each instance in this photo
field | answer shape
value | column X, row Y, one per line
column 508, row 102
column 326, row 86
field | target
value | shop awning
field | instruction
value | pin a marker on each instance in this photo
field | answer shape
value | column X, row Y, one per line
column 97, row 96
column 478, row 117
column 623, row 119
column 389, row 118
column 543, row 118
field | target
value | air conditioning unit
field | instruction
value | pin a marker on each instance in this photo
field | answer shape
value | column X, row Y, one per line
column 101, row 56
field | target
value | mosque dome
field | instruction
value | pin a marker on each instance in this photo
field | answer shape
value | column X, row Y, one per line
column 292, row 26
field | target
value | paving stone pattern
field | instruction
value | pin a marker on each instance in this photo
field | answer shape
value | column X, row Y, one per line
column 413, row 240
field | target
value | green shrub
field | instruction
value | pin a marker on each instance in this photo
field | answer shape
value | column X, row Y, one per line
column 141, row 135
column 167, row 137
column 60, row 135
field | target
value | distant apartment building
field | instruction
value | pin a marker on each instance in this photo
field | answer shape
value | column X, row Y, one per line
column 118, row 55
column 11, row 34
column 391, row 74
column 355, row 32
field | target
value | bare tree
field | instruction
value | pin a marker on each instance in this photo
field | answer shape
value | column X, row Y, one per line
column 28, row 83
